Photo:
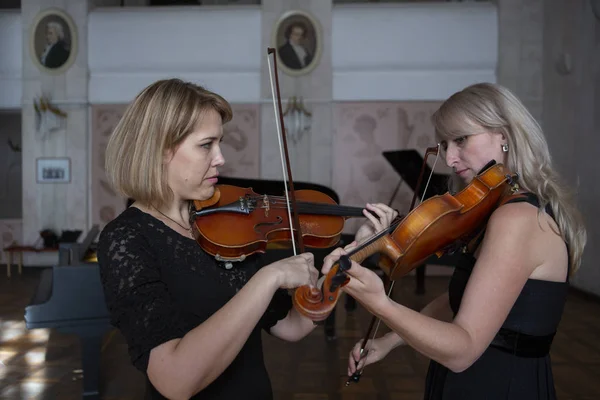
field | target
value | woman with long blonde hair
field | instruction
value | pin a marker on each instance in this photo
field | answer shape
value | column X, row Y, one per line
column 489, row 335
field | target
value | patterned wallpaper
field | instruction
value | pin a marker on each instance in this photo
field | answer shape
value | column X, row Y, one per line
column 362, row 131
column 105, row 203
column 240, row 149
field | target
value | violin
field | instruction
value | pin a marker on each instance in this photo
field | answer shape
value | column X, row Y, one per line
column 260, row 219
column 438, row 225
column 237, row 222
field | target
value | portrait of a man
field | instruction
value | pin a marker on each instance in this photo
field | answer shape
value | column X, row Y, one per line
column 294, row 53
column 298, row 42
column 56, row 52
column 53, row 41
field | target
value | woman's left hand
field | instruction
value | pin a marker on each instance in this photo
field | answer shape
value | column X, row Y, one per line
column 364, row 284
column 384, row 215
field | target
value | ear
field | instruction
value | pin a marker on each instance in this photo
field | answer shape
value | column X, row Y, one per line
column 168, row 156
column 500, row 135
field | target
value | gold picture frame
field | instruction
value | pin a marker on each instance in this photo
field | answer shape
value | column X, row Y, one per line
column 53, row 41
column 298, row 38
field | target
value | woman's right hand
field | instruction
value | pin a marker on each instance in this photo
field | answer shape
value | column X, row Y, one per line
column 375, row 350
column 295, row 271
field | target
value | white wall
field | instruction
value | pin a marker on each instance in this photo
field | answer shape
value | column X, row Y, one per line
column 218, row 47
column 380, row 52
column 412, row 51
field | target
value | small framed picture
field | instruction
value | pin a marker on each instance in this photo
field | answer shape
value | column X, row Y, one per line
column 53, row 41
column 297, row 38
column 53, row 170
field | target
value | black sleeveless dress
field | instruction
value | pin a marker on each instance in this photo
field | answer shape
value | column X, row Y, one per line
column 517, row 364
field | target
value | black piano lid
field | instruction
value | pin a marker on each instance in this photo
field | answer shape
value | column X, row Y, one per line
column 407, row 163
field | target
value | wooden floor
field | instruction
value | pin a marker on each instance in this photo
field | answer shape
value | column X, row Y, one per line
column 40, row 364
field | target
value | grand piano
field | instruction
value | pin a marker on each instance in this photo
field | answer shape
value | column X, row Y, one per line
column 69, row 298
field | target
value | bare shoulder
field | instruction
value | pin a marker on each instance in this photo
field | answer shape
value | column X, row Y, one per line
column 522, row 218
column 533, row 235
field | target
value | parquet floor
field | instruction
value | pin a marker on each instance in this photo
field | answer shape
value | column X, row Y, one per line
column 40, row 364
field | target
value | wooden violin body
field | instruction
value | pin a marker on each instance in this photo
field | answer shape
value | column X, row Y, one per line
column 240, row 222
column 441, row 222
column 431, row 228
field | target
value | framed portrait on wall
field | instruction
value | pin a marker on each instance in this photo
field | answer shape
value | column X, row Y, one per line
column 53, row 41
column 299, row 42
column 53, row 170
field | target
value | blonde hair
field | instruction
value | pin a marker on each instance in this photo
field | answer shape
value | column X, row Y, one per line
column 158, row 120
column 494, row 108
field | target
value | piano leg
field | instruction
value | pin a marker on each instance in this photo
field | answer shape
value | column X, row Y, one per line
column 90, row 363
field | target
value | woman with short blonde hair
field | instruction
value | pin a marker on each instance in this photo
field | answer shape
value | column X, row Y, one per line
column 192, row 323
column 192, row 326
column 159, row 119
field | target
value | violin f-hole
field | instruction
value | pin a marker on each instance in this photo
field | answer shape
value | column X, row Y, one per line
column 277, row 221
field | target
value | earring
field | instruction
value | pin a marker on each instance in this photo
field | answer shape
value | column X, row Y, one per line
column 505, row 147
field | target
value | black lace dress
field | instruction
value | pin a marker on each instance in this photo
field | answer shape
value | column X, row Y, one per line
column 516, row 365
column 160, row 285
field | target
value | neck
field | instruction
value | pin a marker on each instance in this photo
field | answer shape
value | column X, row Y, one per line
column 177, row 211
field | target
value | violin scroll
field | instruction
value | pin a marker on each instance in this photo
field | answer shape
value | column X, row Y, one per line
column 316, row 303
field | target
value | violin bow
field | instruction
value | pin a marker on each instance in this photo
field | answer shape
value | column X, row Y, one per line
column 283, row 150
column 388, row 282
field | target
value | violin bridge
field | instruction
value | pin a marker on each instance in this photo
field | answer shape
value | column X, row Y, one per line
column 266, row 206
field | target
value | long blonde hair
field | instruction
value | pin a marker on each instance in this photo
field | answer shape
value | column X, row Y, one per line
column 158, row 119
column 496, row 109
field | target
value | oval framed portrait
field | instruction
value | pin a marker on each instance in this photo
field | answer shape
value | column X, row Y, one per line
column 53, row 41
column 298, row 40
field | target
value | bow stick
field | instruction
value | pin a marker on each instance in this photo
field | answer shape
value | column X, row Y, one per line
column 390, row 283
column 284, row 150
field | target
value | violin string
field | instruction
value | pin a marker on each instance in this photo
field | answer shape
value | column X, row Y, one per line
column 437, row 155
column 279, row 133
column 316, row 206
column 321, row 206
